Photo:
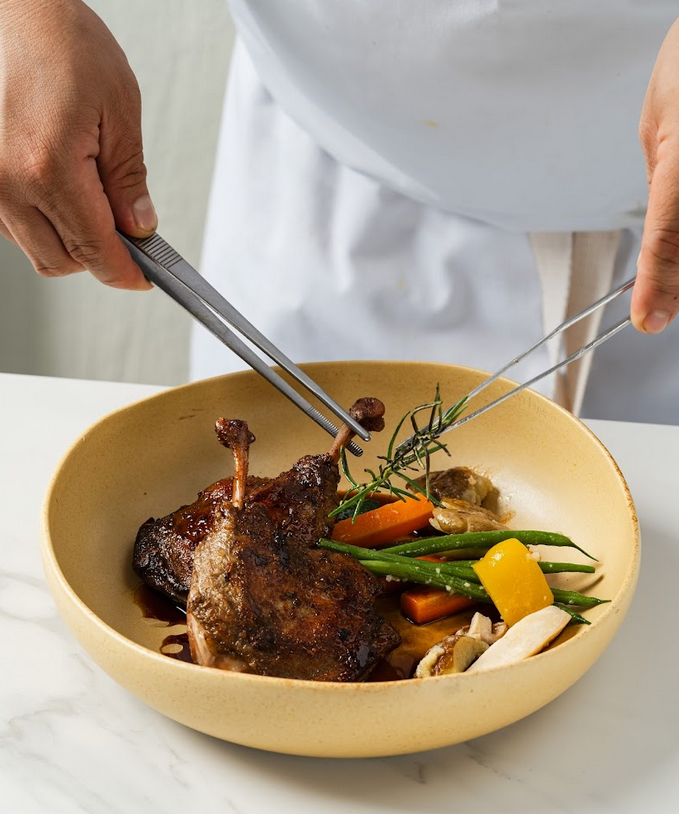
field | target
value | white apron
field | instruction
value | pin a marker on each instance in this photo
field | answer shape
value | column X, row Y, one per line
column 412, row 180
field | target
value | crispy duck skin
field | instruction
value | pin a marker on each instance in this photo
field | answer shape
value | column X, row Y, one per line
column 164, row 548
column 265, row 599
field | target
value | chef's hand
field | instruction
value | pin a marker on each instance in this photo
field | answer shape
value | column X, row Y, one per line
column 656, row 293
column 71, row 162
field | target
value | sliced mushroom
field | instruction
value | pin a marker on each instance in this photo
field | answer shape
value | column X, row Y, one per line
column 458, row 483
column 459, row 517
column 453, row 654
column 482, row 628
column 429, row 660
column 527, row 637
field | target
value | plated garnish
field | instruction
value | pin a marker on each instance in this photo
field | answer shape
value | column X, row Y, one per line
column 284, row 577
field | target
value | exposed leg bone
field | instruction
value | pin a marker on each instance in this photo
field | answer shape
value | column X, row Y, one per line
column 234, row 435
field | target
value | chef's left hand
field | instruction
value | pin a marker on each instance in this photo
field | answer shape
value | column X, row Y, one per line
column 656, row 293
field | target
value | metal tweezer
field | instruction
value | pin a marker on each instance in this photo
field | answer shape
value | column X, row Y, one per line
column 599, row 340
column 167, row 269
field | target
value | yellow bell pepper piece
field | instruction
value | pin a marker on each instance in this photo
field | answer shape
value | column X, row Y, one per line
column 514, row 580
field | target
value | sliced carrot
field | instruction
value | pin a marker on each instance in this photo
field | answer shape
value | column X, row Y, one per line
column 424, row 604
column 385, row 524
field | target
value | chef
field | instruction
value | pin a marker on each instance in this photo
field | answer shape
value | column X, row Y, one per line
column 438, row 180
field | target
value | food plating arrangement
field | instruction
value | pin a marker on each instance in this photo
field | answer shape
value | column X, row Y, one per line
column 411, row 574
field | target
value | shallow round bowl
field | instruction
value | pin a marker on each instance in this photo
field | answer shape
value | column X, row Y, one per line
column 149, row 458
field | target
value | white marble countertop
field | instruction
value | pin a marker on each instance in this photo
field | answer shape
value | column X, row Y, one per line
column 71, row 740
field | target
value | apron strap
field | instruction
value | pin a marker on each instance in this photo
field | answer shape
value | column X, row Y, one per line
column 576, row 268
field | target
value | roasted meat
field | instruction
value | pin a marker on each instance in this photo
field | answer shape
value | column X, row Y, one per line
column 164, row 548
column 264, row 598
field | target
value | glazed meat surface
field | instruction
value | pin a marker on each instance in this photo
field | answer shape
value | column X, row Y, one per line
column 164, row 548
column 265, row 599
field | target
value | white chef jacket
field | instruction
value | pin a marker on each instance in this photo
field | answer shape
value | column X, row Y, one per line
column 411, row 179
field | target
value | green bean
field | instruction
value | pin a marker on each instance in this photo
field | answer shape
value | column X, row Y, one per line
column 482, row 540
column 565, row 567
column 575, row 598
column 426, row 573
column 466, row 572
column 546, row 567
column 575, row 617
column 410, row 572
column 464, row 569
column 451, row 576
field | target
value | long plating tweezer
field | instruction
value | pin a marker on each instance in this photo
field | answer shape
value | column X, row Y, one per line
column 167, row 269
column 599, row 340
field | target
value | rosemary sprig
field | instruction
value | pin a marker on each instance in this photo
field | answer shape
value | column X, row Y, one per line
column 424, row 443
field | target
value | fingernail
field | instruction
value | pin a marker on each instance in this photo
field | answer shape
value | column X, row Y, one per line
column 144, row 214
column 638, row 259
column 656, row 322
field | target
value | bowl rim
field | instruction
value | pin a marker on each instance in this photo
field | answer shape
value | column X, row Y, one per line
column 51, row 563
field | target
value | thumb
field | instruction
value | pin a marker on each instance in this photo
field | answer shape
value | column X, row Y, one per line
column 123, row 172
column 655, row 300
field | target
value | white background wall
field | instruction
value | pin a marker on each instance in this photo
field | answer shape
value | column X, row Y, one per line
column 75, row 327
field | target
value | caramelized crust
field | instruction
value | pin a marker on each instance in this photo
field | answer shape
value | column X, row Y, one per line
column 261, row 596
column 164, row 548
column 264, row 598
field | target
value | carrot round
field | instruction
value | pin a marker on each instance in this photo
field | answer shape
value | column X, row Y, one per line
column 385, row 524
column 424, row 604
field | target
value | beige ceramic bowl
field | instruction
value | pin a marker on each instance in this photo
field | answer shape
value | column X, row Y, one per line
column 148, row 458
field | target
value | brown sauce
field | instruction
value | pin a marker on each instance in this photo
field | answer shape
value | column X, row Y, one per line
column 154, row 605
column 415, row 639
column 177, row 647
column 159, row 608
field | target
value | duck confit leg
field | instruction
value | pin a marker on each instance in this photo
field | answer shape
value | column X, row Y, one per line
column 164, row 547
column 265, row 599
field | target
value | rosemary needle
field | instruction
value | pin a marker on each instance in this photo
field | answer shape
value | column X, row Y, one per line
column 397, row 463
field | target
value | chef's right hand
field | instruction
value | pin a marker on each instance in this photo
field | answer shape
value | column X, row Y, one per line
column 655, row 300
column 71, row 161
